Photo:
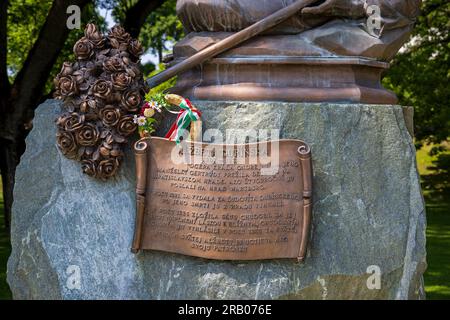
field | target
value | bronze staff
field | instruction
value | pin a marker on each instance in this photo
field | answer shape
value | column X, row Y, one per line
column 230, row 42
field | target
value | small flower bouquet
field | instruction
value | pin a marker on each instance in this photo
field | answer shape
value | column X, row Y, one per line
column 147, row 119
column 153, row 108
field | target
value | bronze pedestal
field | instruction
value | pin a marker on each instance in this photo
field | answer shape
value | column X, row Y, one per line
column 324, row 53
column 245, row 74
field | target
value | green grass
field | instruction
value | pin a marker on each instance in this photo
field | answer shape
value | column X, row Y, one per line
column 437, row 277
column 5, row 250
column 436, row 185
column 435, row 175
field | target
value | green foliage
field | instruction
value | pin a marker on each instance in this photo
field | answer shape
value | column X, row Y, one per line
column 433, row 162
column 158, row 98
column 157, row 106
column 25, row 20
column 163, row 87
column 420, row 75
column 161, row 28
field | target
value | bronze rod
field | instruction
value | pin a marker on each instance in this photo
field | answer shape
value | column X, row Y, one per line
column 230, row 42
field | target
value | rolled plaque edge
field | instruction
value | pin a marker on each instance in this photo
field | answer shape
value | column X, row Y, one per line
column 305, row 157
column 140, row 150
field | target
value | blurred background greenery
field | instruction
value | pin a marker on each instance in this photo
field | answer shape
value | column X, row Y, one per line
column 32, row 50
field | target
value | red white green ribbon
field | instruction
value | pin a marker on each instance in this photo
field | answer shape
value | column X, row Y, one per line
column 187, row 115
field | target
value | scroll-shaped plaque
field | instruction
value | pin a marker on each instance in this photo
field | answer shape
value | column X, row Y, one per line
column 227, row 202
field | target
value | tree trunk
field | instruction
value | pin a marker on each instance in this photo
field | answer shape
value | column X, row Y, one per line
column 4, row 97
column 136, row 16
column 17, row 102
column 8, row 163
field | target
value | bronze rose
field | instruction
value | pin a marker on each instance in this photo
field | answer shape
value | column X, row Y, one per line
column 89, row 167
column 66, row 87
column 102, row 89
column 126, row 126
column 66, row 143
column 135, row 48
column 113, row 64
column 131, row 101
column 107, row 168
column 71, row 122
column 118, row 33
column 62, row 120
column 110, row 115
column 93, row 35
column 121, row 80
column 83, row 49
column 88, row 135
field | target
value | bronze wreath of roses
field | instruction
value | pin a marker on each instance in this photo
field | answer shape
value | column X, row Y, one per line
column 101, row 91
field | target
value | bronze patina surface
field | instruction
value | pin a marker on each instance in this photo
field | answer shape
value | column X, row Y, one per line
column 235, row 209
column 331, row 51
column 101, row 90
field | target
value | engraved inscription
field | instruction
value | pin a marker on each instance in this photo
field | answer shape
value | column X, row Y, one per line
column 224, row 211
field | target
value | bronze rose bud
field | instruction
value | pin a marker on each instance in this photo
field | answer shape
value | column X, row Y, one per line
column 102, row 89
column 92, row 34
column 107, row 168
column 126, row 126
column 66, row 143
column 83, row 49
column 110, row 115
column 66, row 69
column 116, row 152
column 88, row 135
column 66, row 86
column 88, row 105
column 131, row 101
column 135, row 48
column 89, row 167
column 121, row 80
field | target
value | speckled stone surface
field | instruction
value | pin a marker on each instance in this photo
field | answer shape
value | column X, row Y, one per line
column 71, row 234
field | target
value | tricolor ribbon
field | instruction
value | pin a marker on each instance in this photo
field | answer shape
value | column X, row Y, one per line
column 188, row 114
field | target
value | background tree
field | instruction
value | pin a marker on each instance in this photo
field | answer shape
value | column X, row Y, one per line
column 34, row 41
column 162, row 29
column 420, row 74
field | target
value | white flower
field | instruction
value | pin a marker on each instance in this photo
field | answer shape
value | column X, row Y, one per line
column 155, row 106
column 140, row 121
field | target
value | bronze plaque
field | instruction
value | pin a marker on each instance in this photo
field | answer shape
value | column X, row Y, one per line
column 227, row 202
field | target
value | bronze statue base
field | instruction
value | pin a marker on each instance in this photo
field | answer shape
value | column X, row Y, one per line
column 292, row 79
column 280, row 68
